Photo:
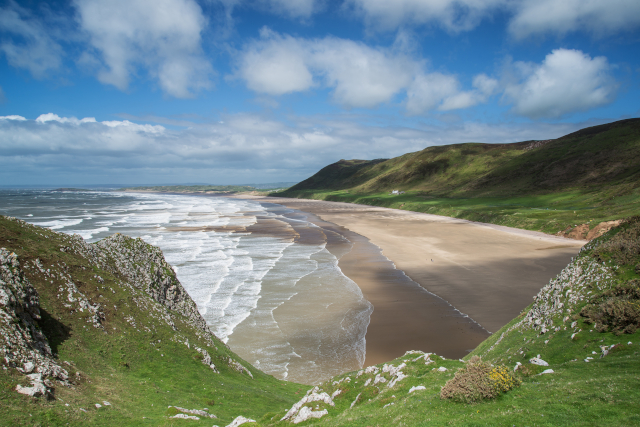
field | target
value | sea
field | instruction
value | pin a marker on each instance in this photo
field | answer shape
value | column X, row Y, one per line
column 264, row 277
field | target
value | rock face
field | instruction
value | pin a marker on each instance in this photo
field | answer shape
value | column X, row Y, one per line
column 22, row 344
column 143, row 266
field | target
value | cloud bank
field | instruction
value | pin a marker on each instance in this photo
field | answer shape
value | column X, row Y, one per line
column 239, row 148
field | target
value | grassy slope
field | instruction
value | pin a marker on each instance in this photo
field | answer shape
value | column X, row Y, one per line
column 587, row 177
column 603, row 391
column 121, row 365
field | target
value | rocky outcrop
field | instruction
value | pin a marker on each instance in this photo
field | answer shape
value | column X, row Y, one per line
column 579, row 281
column 23, row 345
column 143, row 266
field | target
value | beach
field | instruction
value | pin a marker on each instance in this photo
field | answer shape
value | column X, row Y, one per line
column 305, row 290
column 466, row 280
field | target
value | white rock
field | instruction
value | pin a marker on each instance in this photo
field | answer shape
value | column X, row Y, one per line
column 538, row 361
column 98, row 406
column 356, row 400
column 312, row 397
column 547, row 371
column 515, row 368
column 442, row 369
column 185, row 417
column 416, row 388
column 371, row 370
column 28, row 367
column 105, row 403
column 379, row 379
column 240, row 420
column 306, row 413
column 397, row 378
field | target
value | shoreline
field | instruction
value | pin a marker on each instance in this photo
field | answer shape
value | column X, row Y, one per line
column 400, row 321
column 488, row 272
column 447, row 284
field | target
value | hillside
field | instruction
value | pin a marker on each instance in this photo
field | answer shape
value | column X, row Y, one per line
column 580, row 180
column 104, row 334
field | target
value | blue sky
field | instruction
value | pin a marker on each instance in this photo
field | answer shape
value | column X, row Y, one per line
column 237, row 91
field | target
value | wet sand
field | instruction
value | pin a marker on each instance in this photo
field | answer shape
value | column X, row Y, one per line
column 487, row 272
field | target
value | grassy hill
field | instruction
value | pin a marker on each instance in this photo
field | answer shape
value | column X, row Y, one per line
column 120, row 326
column 567, row 185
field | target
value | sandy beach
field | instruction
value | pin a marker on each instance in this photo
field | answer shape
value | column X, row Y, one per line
column 455, row 269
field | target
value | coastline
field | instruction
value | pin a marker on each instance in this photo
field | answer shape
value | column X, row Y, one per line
column 488, row 272
column 405, row 315
column 437, row 284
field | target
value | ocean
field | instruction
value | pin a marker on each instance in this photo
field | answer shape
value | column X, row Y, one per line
column 263, row 276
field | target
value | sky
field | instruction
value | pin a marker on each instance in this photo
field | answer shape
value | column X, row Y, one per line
column 260, row 91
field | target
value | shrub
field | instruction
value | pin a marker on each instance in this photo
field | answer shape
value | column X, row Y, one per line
column 624, row 247
column 617, row 310
column 477, row 381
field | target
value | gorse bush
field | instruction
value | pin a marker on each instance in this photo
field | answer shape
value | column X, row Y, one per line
column 616, row 310
column 478, row 381
column 624, row 247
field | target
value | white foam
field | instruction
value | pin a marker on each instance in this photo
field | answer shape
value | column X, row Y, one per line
column 58, row 224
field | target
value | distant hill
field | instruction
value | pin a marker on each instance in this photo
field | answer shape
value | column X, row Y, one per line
column 589, row 158
column 593, row 168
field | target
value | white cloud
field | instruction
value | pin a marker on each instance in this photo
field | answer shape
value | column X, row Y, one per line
column 50, row 117
column 566, row 81
column 560, row 17
column 163, row 36
column 452, row 15
column 13, row 117
column 428, row 90
column 436, row 90
column 359, row 75
column 30, row 45
column 276, row 65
